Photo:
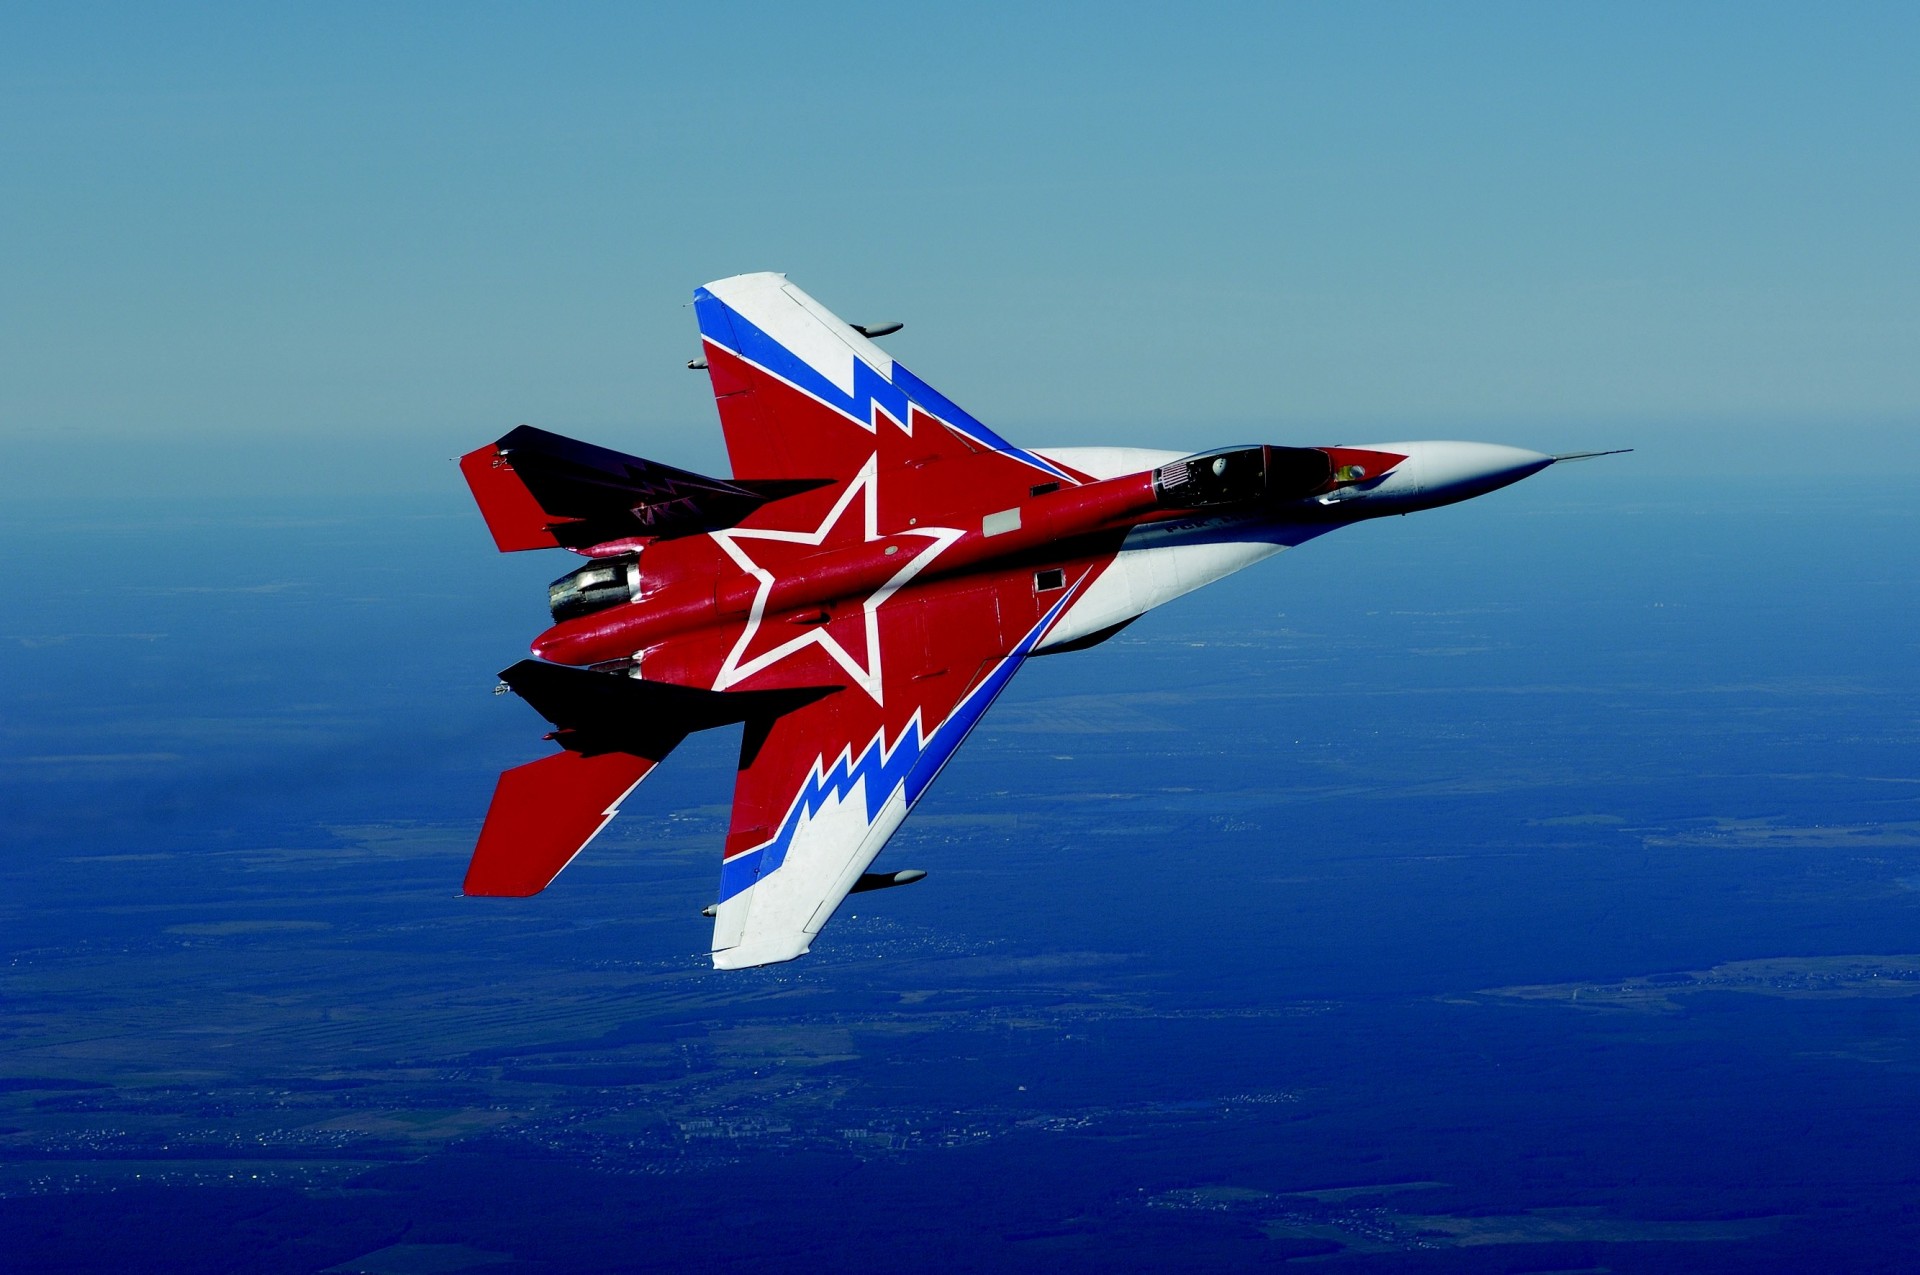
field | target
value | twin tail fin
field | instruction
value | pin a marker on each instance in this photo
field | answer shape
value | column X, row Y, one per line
column 539, row 490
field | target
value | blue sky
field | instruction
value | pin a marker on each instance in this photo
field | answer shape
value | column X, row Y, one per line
column 280, row 227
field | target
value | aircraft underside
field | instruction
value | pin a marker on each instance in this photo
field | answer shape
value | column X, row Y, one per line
column 855, row 596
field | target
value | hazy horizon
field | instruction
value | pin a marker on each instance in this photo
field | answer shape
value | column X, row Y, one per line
column 1527, row 884
column 391, row 220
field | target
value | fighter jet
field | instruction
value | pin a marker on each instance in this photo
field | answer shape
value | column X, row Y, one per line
column 856, row 596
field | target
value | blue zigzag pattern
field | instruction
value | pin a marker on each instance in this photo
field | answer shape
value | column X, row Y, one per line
column 913, row 762
column 728, row 328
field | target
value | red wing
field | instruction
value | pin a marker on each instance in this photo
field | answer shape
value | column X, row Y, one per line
column 820, row 793
column 803, row 394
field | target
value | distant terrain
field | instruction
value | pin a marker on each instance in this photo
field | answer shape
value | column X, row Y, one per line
column 1538, row 889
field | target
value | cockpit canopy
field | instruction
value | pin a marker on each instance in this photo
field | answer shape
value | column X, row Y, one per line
column 1242, row 476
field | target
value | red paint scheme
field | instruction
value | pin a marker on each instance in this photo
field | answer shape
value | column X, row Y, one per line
column 690, row 584
column 543, row 814
column 513, row 516
column 699, row 586
column 973, row 599
column 939, row 642
column 935, row 636
column 775, row 431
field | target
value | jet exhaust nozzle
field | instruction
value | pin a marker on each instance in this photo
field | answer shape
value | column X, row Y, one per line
column 603, row 583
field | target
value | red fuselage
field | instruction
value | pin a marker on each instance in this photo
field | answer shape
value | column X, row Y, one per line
column 692, row 588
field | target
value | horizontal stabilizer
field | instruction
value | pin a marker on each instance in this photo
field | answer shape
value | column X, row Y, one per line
column 543, row 814
column 615, row 730
column 596, row 713
column 539, row 490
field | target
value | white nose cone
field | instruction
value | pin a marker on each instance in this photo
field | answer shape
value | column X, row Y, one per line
column 1448, row 471
column 1438, row 472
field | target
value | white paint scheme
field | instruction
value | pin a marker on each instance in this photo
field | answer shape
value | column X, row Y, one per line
column 730, row 923
column 1157, row 564
column 1160, row 562
column 1434, row 467
column 829, row 851
column 1442, row 471
column 808, row 329
column 1109, row 462
column 1451, row 471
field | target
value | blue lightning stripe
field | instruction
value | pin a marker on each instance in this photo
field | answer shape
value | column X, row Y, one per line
column 729, row 329
column 913, row 762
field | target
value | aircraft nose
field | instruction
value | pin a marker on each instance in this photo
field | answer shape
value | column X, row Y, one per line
column 1450, row 471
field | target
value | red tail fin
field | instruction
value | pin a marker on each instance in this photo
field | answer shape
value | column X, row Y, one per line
column 513, row 515
column 538, row 490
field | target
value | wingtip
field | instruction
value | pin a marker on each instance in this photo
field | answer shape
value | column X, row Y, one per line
column 732, row 959
column 763, row 950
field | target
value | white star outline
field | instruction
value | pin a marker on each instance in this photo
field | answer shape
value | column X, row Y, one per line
column 867, row 677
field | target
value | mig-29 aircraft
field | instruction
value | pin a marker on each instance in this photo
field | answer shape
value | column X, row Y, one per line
column 856, row 595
